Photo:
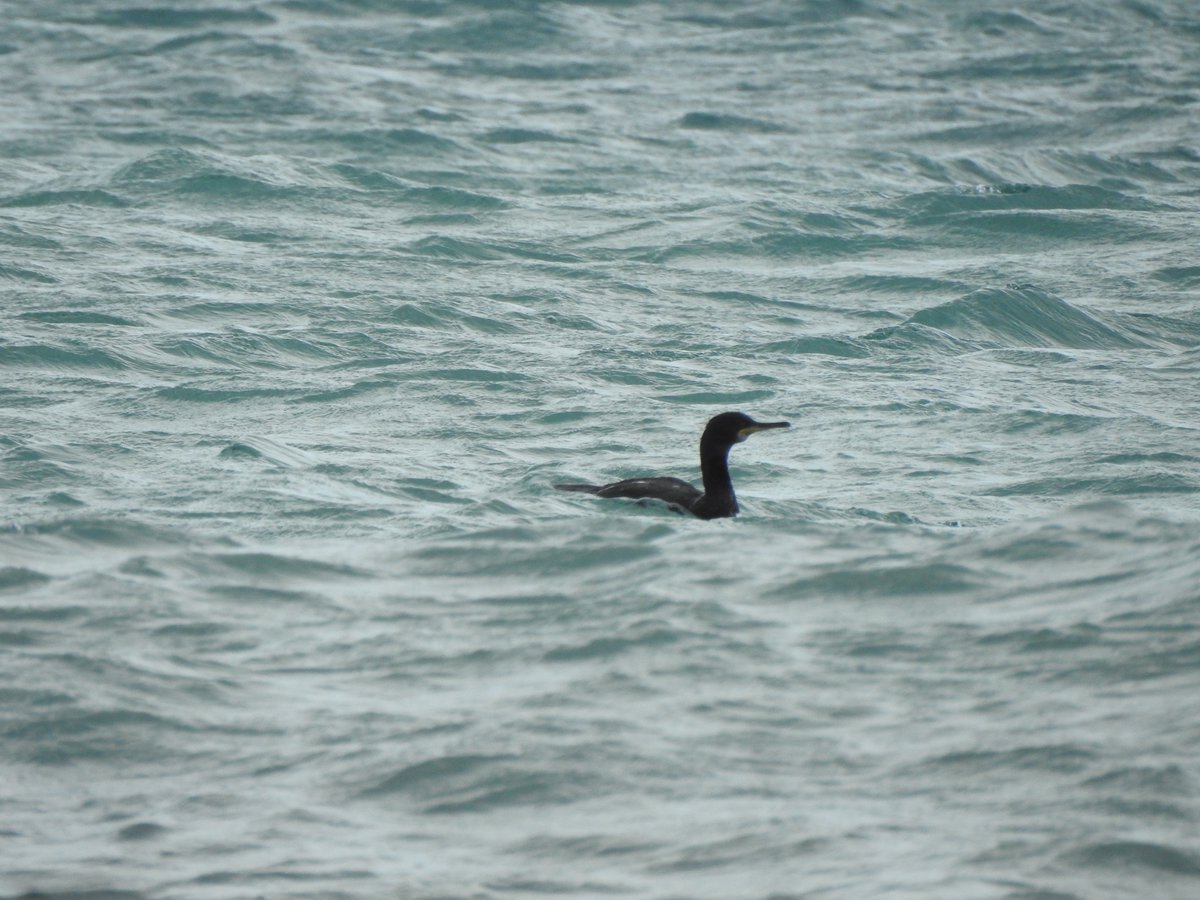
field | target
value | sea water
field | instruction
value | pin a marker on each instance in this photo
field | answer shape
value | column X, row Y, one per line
column 308, row 304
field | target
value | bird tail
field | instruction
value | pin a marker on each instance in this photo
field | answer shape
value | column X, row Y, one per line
column 581, row 488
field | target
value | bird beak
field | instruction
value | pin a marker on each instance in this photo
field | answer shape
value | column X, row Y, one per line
column 744, row 433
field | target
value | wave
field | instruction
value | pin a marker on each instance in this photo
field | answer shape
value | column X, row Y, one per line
column 83, row 894
column 77, row 317
column 444, row 246
column 1154, row 483
column 472, row 783
column 169, row 18
column 43, row 356
column 1180, row 276
column 272, row 451
column 413, row 141
column 20, row 273
column 1018, row 316
column 1151, row 858
column 518, row 560
column 1067, row 758
column 196, row 175
column 33, row 466
column 1168, row 780
column 781, row 243
column 845, row 348
column 80, row 197
column 19, row 578
column 94, row 531
column 523, row 136
column 885, row 581
column 710, row 121
column 70, row 736
column 436, row 197
column 191, row 394
column 14, row 235
column 1044, row 640
column 273, row 567
column 428, row 774
column 937, row 206
column 542, row 70
column 608, row 647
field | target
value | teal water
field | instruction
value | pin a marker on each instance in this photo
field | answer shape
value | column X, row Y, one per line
column 307, row 305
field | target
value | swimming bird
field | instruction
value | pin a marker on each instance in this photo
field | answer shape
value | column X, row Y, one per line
column 717, row 500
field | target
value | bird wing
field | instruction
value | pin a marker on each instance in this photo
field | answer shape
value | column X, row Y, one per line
column 675, row 491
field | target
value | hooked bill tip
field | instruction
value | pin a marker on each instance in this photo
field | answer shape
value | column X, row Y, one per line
column 762, row 426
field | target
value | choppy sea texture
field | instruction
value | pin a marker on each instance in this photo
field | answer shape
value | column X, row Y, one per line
column 308, row 304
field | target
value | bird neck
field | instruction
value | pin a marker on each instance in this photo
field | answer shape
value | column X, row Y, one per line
column 718, row 486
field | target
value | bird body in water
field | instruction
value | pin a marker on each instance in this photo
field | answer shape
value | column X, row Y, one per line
column 717, row 500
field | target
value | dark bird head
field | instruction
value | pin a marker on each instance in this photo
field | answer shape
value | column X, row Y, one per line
column 729, row 428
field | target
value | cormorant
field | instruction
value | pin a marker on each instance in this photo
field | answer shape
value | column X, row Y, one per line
column 717, row 501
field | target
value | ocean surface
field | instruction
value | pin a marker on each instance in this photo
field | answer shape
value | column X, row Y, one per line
column 307, row 305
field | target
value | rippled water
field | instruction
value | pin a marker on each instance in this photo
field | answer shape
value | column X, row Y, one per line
column 308, row 304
